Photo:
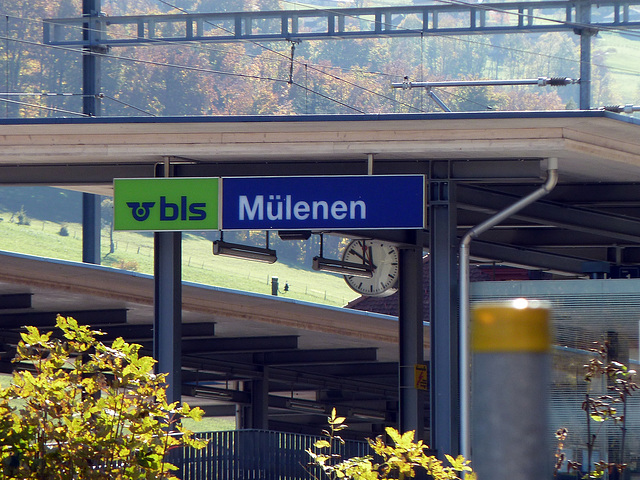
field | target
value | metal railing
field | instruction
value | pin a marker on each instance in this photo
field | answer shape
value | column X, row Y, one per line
column 257, row 454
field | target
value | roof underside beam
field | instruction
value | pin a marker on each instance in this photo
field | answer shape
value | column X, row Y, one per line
column 517, row 256
column 47, row 319
column 551, row 213
column 302, row 357
column 103, row 173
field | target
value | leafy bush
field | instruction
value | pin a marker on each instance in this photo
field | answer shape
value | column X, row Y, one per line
column 397, row 461
column 600, row 409
column 131, row 265
column 21, row 217
column 83, row 410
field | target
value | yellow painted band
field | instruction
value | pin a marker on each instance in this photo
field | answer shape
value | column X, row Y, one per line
column 505, row 328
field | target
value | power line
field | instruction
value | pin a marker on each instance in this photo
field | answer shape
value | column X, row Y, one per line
column 489, row 8
column 327, row 97
column 378, row 73
column 190, row 68
column 55, row 94
column 203, row 70
column 41, row 94
column 306, row 65
column 53, row 109
column 127, row 104
column 292, row 61
column 285, row 57
column 149, row 62
column 453, row 37
column 449, row 37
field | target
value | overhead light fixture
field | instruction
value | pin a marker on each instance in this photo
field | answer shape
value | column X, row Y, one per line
column 294, row 234
column 340, row 266
column 212, row 393
column 246, row 252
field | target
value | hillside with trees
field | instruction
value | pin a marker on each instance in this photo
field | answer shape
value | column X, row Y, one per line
column 344, row 76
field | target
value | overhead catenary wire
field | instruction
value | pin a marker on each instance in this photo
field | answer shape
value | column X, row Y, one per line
column 540, row 81
column 445, row 36
column 66, row 94
column 485, row 107
column 211, row 71
column 489, row 8
column 327, row 97
column 290, row 80
column 481, row 7
column 149, row 62
column 306, row 64
column 42, row 94
column 43, row 107
column 113, row 99
column 292, row 60
column 388, row 98
column 161, row 41
column 135, row 60
column 479, row 43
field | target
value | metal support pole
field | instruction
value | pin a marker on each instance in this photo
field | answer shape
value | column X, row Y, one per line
column 90, row 60
column 91, row 221
column 511, row 371
column 410, row 306
column 260, row 401
column 167, row 341
column 167, row 328
column 443, row 291
column 91, row 228
column 584, row 18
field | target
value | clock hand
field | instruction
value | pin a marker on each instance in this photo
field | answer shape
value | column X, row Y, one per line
column 370, row 255
column 361, row 257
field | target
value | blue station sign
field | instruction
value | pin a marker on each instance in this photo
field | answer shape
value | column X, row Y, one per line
column 325, row 202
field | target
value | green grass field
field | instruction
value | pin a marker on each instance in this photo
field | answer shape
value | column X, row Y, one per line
column 622, row 55
column 134, row 251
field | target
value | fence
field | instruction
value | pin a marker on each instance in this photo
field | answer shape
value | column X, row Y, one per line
column 257, row 455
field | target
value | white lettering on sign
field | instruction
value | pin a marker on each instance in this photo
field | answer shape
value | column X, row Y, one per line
column 278, row 208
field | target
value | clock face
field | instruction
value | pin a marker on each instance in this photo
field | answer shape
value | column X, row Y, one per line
column 383, row 258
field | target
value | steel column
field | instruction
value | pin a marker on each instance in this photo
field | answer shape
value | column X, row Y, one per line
column 443, row 381
column 90, row 106
column 410, row 306
column 259, row 411
column 167, row 344
column 91, row 228
column 584, row 18
column 91, row 61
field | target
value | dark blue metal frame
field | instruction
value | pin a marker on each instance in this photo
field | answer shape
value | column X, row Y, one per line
column 345, row 23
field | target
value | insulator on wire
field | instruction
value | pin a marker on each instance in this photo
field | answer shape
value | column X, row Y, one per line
column 560, row 81
column 628, row 108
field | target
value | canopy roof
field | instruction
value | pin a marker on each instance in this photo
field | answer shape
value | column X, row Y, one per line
column 494, row 159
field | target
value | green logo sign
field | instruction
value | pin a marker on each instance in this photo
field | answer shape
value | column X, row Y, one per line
column 165, row 204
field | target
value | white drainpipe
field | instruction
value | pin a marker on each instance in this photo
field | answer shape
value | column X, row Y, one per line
column 552, row 180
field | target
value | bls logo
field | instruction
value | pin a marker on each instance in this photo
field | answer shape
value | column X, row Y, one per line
column 169, row 211
column 140, row 212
